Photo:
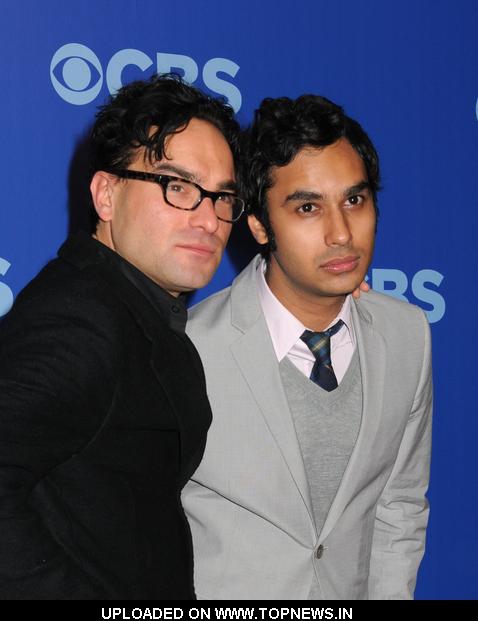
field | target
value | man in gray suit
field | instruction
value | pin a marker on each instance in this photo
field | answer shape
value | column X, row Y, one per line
column 317, row 461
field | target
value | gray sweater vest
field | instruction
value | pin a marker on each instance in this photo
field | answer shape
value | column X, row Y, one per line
column 327, row 425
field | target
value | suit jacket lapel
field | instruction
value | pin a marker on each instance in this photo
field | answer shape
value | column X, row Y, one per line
column 166, row 345
column 255, row 356
column 371, row 350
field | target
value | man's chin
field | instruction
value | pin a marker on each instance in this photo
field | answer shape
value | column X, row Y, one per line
column 198, row 281
column 341, row 289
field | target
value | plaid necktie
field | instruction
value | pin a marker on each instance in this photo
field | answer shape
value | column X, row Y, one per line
column 319, row 344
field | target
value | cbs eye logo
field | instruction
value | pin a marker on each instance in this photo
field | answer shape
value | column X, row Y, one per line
column 77, row 75
column 80, row 72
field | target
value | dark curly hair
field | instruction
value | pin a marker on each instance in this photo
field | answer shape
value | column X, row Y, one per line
column 280, row 129
column 165, row 103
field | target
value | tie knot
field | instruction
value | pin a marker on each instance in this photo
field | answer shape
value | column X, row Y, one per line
column 319, row 342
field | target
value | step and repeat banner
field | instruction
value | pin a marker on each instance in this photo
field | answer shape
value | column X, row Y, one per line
column 407, row 70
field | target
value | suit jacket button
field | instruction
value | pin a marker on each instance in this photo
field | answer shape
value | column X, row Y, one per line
column 319, row 552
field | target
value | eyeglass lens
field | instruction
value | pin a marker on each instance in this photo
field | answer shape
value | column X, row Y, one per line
column 185, row 195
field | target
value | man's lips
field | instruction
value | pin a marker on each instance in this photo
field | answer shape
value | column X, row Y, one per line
column 200, row 249
column 341, row 264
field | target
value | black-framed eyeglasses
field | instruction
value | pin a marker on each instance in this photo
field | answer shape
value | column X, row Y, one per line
column 187, row 195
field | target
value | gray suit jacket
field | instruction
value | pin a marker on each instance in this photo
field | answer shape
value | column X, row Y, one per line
column 248, row 502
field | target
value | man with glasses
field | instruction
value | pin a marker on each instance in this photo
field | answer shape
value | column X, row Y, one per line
column 103, row 405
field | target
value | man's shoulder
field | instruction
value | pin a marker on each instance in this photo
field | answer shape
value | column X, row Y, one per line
column 60, row 282
column 379, row 304
column 211, row 312
column 62, row 294
column 216, row 312
column 391, row 315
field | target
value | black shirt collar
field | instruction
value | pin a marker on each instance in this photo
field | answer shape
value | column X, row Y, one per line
column 172, row 309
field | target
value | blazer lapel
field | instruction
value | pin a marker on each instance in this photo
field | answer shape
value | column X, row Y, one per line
column 166, row 346
column 255, row 356
column 371, row 350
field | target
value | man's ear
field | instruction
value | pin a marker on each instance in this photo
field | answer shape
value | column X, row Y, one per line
column 257, row 230
column 101, row 188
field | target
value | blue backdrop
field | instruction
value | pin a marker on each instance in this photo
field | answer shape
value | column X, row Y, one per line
column 407, row 70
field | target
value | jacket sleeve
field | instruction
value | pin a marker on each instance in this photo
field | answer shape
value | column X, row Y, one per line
column 56, row 376
column 402, row 511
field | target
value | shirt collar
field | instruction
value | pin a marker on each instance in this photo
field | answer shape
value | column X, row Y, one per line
column 171, row 308
column 285, row 329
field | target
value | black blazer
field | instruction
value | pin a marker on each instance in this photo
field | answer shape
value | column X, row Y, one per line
column 103, row 418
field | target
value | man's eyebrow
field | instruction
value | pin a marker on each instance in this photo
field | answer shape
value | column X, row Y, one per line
column 357, row 188
column 304, row 195
column 229, row 185
column 178, row 171
column 309, row 195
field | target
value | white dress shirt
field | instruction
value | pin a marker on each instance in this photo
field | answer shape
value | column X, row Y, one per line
column 285, row 331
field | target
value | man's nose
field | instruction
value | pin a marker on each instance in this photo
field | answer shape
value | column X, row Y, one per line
column 337, row 229
column 204, row 216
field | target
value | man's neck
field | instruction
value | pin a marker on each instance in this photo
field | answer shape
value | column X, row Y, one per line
column 313, row 311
